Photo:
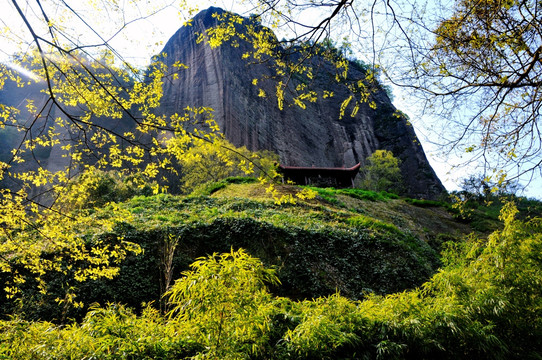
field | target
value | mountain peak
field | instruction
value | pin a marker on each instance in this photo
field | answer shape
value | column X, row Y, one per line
column 248, row 115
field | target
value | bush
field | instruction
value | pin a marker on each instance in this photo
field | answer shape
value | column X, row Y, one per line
column 381, row 172
column 113, row 332
column 96, row 188
column 485, row 303
column 224, row 300
column 211, row 162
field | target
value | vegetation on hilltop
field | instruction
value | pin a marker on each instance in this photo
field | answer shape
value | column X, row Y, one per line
column 484, row 303
column 318, row 248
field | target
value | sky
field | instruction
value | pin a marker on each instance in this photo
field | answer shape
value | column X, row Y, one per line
column 139, row 32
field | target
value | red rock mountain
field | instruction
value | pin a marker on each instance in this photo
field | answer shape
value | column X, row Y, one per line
column 316, row 136
column 219, row 78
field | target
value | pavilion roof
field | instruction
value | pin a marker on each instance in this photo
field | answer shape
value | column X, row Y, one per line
column 315, row 169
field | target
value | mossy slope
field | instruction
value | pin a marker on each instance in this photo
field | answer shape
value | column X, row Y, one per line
column 350, row 241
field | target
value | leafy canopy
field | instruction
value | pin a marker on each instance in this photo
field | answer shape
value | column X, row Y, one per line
column 97, row 115
column 381, row 172
column 490, row 51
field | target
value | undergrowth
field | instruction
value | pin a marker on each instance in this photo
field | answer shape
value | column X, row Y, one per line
column 318, row 250
column 330, row 194
column 484, row 303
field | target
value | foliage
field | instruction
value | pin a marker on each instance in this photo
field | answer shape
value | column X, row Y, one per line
column 31, row 253
column 37, row 238
column 494, row 282
column 327, row 327
column 98, row 188
column 485, row 303
column 111, row 332
column 328, row 194
column 99, row 119
column 492, row 49
column 111, row 152
column 483, row 188
column 482, row 304
column 482, row 211
column 317, row 249
column 381, row 172
column 240, row 180
column 207, row 162
column 223, row 299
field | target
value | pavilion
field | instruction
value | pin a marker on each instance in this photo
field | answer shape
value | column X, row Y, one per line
column 320, row 176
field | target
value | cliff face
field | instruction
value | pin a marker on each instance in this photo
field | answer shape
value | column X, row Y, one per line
column 316, row 136
column 13, row 95
column 220, row 79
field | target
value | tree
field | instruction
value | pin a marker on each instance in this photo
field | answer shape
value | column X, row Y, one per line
column 381, row 172
column 99, row 188
column 486, row 57
column 211, row 162
column 97, row 113
column 298, row 60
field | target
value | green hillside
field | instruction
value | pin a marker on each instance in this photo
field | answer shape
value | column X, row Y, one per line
column 345, row 274
column 350, row 241
column 355, row 244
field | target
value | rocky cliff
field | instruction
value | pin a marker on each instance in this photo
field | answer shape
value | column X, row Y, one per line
column 11, row 138
column 221, row 79
column 316, row 136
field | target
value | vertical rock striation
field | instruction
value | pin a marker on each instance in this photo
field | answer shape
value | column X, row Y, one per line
column 219, row 78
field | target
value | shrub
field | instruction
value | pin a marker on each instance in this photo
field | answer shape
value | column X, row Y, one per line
column 381, row 172
column 211, row 162
column 97, row 188
column 225, row 301
column 113, row 332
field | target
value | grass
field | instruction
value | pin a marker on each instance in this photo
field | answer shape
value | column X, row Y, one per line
column 213, row 186
column 330, row 195
column 374, row 224
column 427, row 203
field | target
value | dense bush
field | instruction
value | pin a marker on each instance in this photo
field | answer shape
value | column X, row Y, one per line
column 485, row 303
column 317, row 251
column 111, row 332
column 212, row 161
column 97, row 188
